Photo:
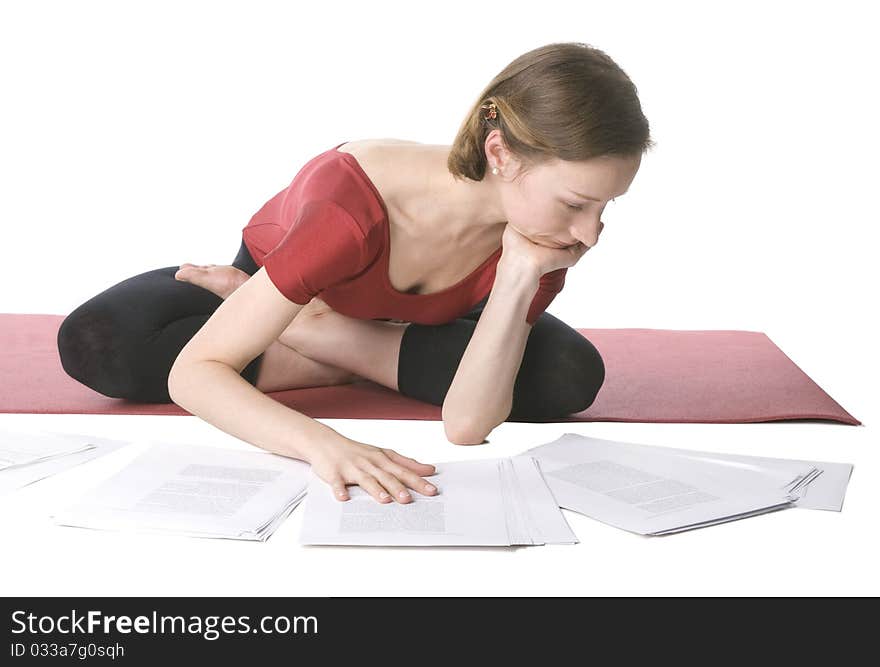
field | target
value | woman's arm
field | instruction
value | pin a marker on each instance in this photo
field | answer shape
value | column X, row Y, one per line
column 481, row 394
column 205, row 380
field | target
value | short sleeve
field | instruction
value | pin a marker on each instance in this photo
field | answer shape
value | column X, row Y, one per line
column 550, row 285
column 323, row 246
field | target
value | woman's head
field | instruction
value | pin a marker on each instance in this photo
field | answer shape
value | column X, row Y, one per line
column 567, row 119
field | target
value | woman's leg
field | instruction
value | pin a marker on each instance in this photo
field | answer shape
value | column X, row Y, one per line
column 560, row 374
column 561, row 371
column 123, row 342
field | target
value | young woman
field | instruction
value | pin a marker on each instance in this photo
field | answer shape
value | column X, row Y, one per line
column 424, row 268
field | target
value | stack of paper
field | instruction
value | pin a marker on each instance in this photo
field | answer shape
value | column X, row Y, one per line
column 28, row 457
column 195, row 491
column 243, row 494
column 24, row 448
column 818, row 485
column 659, row 490
column 487, row 502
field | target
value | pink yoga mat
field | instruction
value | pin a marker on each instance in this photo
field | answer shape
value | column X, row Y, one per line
column 651, row 375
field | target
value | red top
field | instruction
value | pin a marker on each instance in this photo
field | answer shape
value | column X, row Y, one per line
column 327, row 234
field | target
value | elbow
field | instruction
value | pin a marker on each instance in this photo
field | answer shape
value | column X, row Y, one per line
column 173, row 382
column 464, row 433
column 185, row 378
column 177, row 380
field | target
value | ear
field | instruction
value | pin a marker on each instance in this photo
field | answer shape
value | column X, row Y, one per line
column 497, row 151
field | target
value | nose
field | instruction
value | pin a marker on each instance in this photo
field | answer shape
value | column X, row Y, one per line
column 590, row 237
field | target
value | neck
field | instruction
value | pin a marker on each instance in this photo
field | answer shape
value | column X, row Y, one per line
column 466, row 209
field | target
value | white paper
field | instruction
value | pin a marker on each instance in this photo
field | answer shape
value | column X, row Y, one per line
column 87, row 448
column 647, row 492
column 824, row 490
column 547, row 523
column 18, row 449
column 196, row 491
column 487, row 502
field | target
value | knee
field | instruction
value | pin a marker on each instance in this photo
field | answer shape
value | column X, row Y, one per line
column 583, row 374
column 564, row 380
column 89, row 348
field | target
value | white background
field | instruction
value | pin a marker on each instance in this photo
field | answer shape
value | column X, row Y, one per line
column 143, row 135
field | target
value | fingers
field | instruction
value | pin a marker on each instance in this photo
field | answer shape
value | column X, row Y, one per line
column 372, row 486
column 420, row 468
column 395, row 479
column 388, row 482
column 339, row 490
column 385, row 475
column 363, row 479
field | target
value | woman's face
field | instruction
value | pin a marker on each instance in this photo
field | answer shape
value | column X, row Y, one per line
column 545, row 205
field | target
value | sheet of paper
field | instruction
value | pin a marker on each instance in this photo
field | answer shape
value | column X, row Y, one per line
column 19, row 476
column 487, row 502
column 826, row 491
column 195, row 490
column 547, row 525
column 468, row 510
column 647, row 492
column 20, row 448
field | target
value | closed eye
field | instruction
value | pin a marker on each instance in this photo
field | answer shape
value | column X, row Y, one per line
column 578, row 207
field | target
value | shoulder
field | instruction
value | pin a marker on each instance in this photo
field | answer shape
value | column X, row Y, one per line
column 384, row 161
column 323, row 247
column 324, row 223
column 378, row 156
column 364, row 148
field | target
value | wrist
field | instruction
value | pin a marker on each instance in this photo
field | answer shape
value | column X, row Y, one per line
column 516, row 271
column 317, row 442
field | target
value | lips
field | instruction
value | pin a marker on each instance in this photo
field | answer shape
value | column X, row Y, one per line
column 558, row 244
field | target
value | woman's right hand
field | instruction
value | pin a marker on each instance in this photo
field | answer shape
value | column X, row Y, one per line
column 381, row 472
column 522, row 251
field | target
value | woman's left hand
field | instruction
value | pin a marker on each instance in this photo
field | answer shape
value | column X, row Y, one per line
column 544, row 259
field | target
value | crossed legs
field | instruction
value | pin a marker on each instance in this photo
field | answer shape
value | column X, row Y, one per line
column 123, row 342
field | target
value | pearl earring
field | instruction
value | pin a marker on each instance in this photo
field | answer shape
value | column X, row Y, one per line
column 495, row 170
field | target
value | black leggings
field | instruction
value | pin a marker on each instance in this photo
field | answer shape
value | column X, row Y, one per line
column 123, row 342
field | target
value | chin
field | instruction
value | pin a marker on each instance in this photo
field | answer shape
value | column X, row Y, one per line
column 541, row 241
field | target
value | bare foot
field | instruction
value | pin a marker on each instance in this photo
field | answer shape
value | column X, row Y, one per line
column 222, row 279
